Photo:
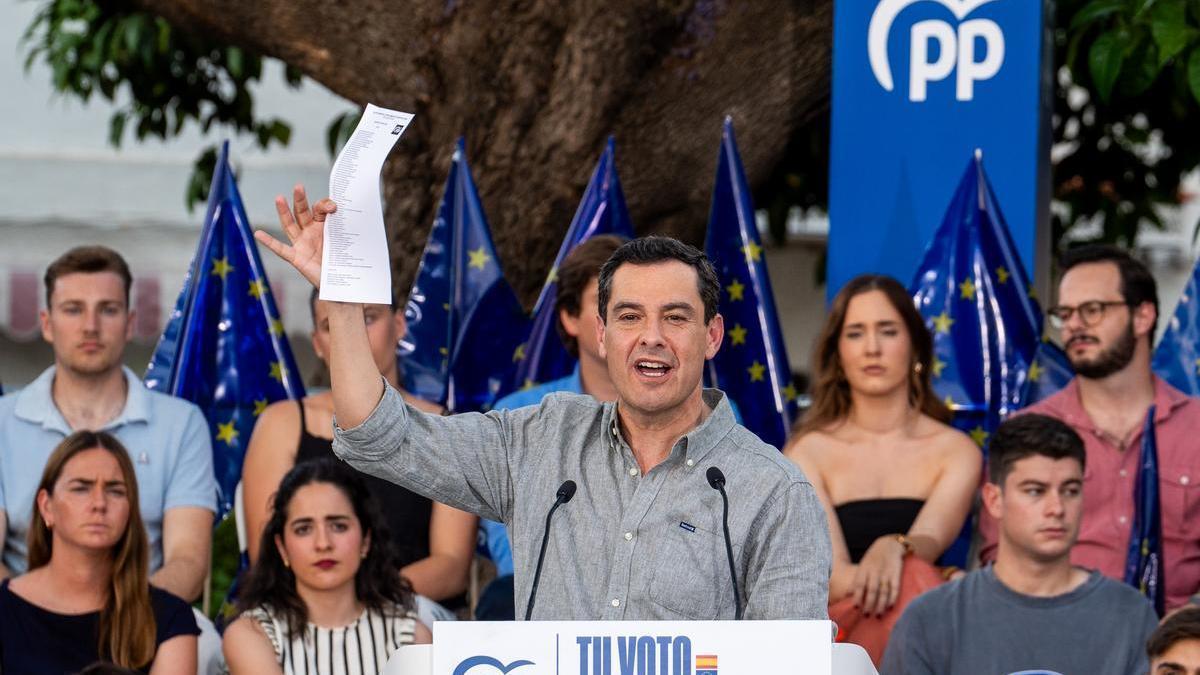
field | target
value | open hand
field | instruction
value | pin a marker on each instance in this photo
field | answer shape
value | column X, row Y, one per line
column 305, row 228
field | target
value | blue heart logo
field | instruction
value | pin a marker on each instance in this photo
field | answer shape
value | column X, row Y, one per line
column 489, row 661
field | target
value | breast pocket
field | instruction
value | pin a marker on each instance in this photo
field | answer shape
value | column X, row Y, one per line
column 691, row 573
column 1180, row 501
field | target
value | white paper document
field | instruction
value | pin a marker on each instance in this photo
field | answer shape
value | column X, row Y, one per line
column 355, row 266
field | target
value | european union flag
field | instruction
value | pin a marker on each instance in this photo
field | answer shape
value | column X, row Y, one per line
column 1177, row 357
column 464, row 321
column 542, row 357
column 751, row 366
column 975, row 296
column 1143, row 565
column 223, row 347
column 1050, row 371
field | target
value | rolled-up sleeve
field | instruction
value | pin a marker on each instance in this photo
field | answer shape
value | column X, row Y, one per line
column 463, row 460
column 788, row 560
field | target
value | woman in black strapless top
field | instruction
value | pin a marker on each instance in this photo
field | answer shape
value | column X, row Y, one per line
column 897, row 482
column 436, row 542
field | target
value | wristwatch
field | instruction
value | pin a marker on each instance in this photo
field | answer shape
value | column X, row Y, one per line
column 906, row 543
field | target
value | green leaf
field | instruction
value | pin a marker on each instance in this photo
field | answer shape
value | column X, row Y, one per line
column 235, row 62
column 1094, row 11
column 1105, row 59
column 116, row 127
column 1170, row 30
column 1193, row 74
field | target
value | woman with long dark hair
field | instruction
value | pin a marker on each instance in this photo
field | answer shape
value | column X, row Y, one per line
column 323, row 596
column 896, row 481
column 87, row 595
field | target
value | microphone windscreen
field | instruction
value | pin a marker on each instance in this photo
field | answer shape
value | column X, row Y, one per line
column 566, row 491
column 716, row 479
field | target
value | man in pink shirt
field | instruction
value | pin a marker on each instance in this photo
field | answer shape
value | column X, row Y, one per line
column 1106, row 314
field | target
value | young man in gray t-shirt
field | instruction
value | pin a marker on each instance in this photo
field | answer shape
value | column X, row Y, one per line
column 1031, row 610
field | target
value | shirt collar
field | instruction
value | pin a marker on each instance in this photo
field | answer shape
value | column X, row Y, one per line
column 35, row 403
column 1069, row 406
column 697, row 443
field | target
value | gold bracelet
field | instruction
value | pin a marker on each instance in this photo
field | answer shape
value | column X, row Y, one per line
column 906, row 543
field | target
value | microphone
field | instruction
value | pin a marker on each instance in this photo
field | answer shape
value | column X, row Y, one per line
column 565, row 492
column 716, row 480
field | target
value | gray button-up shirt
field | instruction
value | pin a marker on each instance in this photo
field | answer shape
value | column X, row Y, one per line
column 628, row 546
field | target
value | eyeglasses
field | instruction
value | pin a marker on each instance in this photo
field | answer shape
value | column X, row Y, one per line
column 1090, row 313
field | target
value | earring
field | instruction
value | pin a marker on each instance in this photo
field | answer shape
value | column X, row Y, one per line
column 917, row 367
column 286, row 563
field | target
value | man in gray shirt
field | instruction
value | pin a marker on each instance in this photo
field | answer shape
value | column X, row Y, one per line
column 1030, row 610
column 642, row 538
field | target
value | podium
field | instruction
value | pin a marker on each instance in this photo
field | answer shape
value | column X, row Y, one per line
column 631, row 648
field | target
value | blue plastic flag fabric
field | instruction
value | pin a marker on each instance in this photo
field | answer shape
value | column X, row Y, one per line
column 223, row 347
column 1143, row 564
column 751, row 366
column 602, row 210
column 1177, row 357
column 464, row 321
column 974, row 295
column 1049, row 372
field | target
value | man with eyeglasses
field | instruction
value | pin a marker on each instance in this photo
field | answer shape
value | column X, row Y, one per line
column 1106, row 314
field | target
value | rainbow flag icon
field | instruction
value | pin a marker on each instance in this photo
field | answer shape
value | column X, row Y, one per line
column 706, row 664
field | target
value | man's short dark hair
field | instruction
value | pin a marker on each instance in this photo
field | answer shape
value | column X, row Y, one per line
column 1182, row 625
column 1137, row 284
column 1031, row 435
column 650, row 250
column 87, row 260
column 578, row 269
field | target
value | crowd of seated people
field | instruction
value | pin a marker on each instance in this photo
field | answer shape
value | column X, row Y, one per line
column 103, row 554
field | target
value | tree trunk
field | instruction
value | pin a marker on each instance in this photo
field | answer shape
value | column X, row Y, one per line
column 536, row 86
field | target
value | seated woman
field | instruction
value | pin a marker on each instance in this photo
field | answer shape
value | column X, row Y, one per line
column 897, row 483
column 323, row 596
column 435, row 542
column 87, row 595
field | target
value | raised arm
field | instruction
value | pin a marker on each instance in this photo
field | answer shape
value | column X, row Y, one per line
column 357, row 386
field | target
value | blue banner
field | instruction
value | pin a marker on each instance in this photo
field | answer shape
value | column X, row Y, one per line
column 1144, row 562
column 223, row 347
column 1050, row 371
column 917, row 85
column 973, row 292
column 1177, row 357
column 602, row 210
column 464, row 322
column 751, row 366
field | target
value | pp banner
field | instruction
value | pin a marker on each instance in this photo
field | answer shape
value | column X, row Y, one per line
column 632, row 647
column 918, row 85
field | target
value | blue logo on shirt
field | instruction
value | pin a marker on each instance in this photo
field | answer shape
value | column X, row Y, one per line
column 470, row 663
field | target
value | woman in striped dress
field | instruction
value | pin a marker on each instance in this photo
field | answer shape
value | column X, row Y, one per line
column 324, row 596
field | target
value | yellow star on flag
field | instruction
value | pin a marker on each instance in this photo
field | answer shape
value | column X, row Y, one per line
column 1035, row 372
column 756, row 371
column 479, row 258
column 276, row 326
column 1002, row 275
column 1198, row 366
column 1032, row 293
column 942, row 323
column 736, row 290
column 979, row 436
column 552, row 276
column 278, row 372
column 528, row 385
column 948, row 401
column 753, row 252
column 227, row 433
column 444, row 351
column 221, row 267
column 938, row 366
column 257, row 288
column 967, row 289
column 259, row 406
column 789, row 392
column 519, row 353
column 737, row 334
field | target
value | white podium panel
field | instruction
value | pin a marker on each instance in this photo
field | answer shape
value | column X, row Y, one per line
column 631, row 648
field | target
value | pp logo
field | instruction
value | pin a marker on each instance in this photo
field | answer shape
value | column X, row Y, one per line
column 956, row 49
column 488, row 666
